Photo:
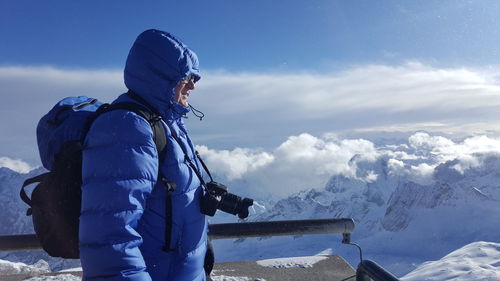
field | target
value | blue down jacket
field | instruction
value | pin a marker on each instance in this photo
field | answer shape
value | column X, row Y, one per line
column 122, row 225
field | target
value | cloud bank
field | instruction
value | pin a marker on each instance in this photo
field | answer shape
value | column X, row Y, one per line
column 15, row 165
column 305, row 161
column 262, row 109
column 412, row 86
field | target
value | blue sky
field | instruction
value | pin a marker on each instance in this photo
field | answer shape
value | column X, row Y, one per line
column 271, row 69
column 254, row 35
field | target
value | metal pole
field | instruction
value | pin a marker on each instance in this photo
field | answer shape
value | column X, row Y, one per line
column 280, row 228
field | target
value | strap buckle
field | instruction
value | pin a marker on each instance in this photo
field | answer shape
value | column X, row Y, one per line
column 170, row 185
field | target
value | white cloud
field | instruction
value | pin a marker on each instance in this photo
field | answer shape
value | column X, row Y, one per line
column 326, row 157
column 422, row 173
column 370, row 177
column 470, row 153
column 423, row 141
column 300, row 162
column 396, row 167
column 234, row 164
column 15, row 165
column 61, row 78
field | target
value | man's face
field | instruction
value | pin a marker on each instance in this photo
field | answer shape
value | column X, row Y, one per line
column 181, row 91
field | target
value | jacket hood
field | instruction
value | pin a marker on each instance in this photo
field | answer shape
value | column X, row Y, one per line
column 155, row 64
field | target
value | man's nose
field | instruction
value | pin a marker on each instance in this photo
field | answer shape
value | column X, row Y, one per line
column 191, row 85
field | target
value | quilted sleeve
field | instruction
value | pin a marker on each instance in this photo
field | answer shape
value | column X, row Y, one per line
column 120, row 167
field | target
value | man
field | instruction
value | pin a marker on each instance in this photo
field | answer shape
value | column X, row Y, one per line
column 125, row 224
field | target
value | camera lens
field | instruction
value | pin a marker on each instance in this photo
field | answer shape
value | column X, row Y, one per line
column 229, row 203
column 245, row 204
column 217, row 197
column 235, row 205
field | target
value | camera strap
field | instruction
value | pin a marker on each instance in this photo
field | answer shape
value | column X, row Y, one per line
column 190, row 162
column 204, row 166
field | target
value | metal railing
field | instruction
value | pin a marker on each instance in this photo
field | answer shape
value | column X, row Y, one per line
column 366, row 270
column 223, row 231
column 280, row 228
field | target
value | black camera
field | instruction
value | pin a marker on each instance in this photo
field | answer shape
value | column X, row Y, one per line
column 216, row 197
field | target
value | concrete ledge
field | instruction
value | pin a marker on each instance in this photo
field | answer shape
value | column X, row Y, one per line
column 316, row 268
column 313, row 268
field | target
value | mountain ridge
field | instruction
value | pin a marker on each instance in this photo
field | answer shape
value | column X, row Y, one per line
column 395, row 215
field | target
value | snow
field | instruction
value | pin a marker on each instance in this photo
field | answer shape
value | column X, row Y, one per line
column 234, row 278
column 35, row 271
column 291, row 262
column 11, row 268
column 71, row 269
column 62, row 277
column 476, row 261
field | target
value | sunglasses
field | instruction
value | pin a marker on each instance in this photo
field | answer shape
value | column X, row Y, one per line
column 188, row 79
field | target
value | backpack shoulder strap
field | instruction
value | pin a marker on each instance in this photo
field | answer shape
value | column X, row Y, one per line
column 160, row 139
column 159, row 135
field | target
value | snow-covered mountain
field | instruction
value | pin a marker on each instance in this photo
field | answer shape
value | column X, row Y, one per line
column 410, row 206
column 412, row 202
column 14, row 220
column 478, row 261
